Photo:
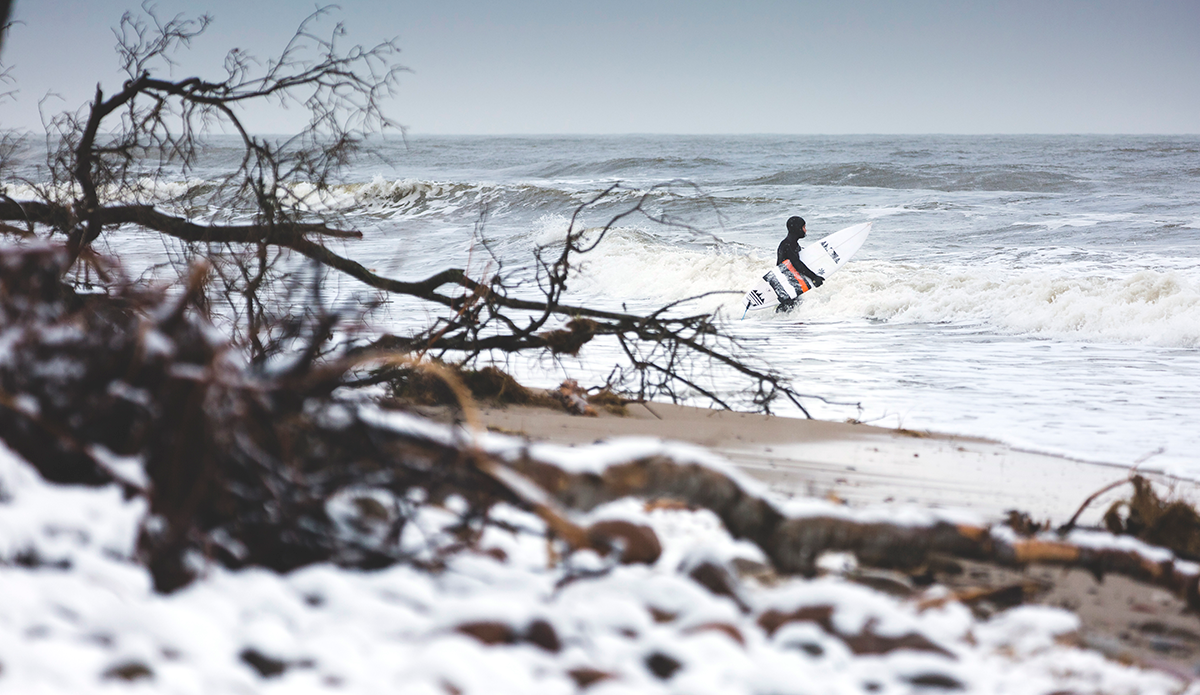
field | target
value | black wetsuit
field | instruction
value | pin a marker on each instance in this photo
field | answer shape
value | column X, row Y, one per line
column 789, row 250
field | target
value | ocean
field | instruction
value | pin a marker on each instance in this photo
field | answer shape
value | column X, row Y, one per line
column 1039, row 290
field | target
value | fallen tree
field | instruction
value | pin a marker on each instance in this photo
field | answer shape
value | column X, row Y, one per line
column 255, row 222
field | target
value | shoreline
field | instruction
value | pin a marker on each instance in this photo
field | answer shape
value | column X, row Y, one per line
column 856, row 463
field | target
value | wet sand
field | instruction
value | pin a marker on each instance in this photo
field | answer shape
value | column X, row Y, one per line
column 860, row 464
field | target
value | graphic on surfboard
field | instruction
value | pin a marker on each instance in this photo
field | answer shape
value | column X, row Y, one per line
column 783, row 283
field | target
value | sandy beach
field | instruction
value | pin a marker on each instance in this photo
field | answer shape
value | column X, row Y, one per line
column 861, row 464
column 866, row 465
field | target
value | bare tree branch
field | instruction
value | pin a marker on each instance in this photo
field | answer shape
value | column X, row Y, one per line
column 105, row 160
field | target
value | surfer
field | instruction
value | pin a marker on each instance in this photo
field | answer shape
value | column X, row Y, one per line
column 789, row 250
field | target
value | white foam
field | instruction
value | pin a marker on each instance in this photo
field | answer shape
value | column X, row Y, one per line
column 551, row 229
column 1146, row 307
column 625, row 266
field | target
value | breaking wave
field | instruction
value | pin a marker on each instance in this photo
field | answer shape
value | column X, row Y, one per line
column 1147, row 307
column 413, row 197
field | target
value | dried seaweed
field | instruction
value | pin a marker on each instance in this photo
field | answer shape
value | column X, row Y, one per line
column 1173, row 524
column 489, row 385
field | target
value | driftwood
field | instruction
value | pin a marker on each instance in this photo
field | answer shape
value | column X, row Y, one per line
column 793, row 544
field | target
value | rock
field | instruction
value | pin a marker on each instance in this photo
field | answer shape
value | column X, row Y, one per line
column 719, row 581
column 267, row 666
column 937, row 680
column 662, row 665
column 772, row 620
column 543, row 634
column 128, row 671
column 586, row 676
column 867, row 641
column 489, row 632
column 661, row 616
column 639, row 543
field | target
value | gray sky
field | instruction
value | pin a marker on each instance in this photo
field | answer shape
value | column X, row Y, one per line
column 668, row 66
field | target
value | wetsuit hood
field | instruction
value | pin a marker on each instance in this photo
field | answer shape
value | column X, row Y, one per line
column 795, row 227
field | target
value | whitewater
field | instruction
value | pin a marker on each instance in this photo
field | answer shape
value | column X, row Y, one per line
column 1039, row 290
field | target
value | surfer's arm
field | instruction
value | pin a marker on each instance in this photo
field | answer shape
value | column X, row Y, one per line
column 817, row 280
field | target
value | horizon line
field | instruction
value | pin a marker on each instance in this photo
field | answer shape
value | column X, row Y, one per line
column 409, row 133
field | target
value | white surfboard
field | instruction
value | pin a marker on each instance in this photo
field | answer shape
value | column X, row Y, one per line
column 783, row 283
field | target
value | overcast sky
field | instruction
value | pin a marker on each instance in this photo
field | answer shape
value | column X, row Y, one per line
column 692, row 66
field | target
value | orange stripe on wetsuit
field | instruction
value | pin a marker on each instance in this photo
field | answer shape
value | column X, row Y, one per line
column 805, row 285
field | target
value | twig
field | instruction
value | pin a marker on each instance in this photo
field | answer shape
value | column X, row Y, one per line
column 1067, row 527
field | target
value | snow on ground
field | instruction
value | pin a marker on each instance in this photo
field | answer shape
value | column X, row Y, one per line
column 78, row 615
